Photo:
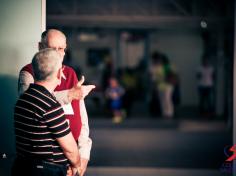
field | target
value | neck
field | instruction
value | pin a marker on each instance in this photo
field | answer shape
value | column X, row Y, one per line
column 48, row 85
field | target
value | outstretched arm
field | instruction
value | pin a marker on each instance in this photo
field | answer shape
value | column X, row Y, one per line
column 64, row 96
column 77, row 92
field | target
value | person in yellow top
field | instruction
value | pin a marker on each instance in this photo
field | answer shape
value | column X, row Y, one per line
column 163, row 77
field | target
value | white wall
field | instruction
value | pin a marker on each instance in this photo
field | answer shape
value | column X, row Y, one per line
column 184, row 49
column 19, row 33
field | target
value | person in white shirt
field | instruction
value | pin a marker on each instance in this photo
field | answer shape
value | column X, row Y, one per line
column 205, row 76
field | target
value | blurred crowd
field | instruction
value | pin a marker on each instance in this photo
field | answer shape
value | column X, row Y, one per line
column 155, row 82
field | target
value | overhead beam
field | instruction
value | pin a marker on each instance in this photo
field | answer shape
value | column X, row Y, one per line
column 179, row 7
column 132, row 21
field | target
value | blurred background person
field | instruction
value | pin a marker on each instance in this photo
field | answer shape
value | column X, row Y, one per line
column 129, row 82
column 206, row 79
column 157, row 78
column 164, row 81
column 114, row 94
column 172, row 87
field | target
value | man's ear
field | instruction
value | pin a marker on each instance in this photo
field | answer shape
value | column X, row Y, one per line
column 40, row 46
column 59, row 73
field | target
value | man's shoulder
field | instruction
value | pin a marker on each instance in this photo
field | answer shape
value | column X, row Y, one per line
column 43, row 95
column 27, row 68
column 68, row 68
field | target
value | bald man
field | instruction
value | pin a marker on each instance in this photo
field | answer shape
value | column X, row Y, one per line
column 70, row 93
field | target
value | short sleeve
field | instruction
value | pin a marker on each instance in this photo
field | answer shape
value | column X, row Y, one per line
column 56, row 122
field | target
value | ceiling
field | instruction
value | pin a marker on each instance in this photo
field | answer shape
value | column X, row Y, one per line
column 139, row 13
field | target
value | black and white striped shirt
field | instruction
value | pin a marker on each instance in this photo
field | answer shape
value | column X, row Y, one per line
column 39, row 119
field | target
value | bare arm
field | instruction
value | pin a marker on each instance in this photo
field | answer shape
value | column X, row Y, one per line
column 64, row 96
column 77, row 92
column 70, row 149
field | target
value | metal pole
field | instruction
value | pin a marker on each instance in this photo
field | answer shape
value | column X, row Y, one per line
column 234, row 91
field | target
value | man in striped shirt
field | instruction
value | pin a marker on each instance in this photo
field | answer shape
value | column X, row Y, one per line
column 67, row 93
column 44, row 143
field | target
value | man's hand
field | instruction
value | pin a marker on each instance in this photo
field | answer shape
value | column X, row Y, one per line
column 79, row 91
column 76, row 171
column 72, row 171
column 75, row 93
column 84, row 163
column 85, row 88
column 69, row 171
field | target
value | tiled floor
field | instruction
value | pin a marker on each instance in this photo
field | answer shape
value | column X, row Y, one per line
column 137, row 171
column 154, row 147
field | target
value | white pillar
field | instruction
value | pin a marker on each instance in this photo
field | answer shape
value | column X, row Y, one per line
column 43, row 17
column 20, row 32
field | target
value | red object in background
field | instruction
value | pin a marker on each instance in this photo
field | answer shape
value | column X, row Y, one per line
column 232, row 149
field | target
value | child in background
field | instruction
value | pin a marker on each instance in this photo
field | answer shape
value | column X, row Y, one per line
column 114, row 94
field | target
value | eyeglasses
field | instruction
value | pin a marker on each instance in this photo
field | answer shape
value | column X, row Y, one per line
column 60, row 49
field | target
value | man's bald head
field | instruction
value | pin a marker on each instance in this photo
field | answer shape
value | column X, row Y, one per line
column 53, row 38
